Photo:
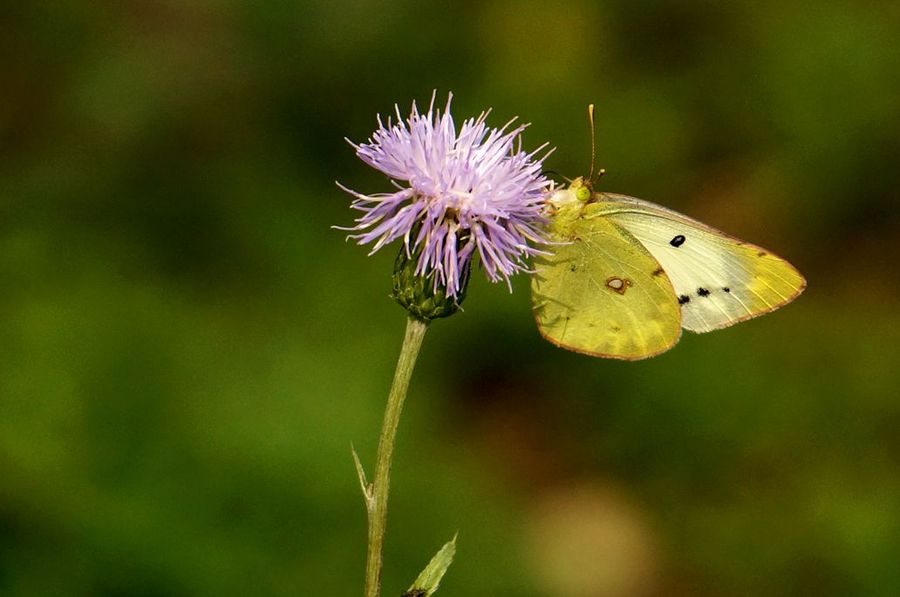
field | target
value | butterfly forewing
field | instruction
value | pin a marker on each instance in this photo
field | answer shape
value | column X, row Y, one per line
column 718, row 280
column 600, row 292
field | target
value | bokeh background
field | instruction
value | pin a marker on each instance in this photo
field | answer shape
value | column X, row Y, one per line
column 188, row 349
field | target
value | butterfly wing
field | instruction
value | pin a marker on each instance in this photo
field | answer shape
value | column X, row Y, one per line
column 602, row 293
column 719, row 280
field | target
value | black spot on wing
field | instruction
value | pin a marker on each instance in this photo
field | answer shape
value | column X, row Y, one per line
column 658, row 271
column 683, row 299
column 572, row 268
column 677, row 241
column 726, row 289
column 702, row 292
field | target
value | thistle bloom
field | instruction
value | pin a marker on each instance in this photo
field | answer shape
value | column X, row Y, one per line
column 458, row 193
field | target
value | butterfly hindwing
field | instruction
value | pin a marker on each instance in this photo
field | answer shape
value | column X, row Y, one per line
column 719, row 280
column 602, row 293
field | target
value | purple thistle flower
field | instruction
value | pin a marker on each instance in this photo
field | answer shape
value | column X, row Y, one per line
column 461, row 193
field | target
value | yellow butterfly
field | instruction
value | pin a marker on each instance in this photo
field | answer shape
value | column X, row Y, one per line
column 624, row 276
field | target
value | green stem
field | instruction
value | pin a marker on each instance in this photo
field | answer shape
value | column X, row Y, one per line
column 377, row 494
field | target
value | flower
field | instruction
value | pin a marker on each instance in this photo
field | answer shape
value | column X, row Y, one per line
column 458, row 194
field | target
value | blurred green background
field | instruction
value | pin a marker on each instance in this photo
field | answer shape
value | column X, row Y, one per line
column 187, row 349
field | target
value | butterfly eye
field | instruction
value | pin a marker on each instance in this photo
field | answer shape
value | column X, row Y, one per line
column 583, row 194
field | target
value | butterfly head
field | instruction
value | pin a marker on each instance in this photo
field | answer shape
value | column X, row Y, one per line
column 579, row 192
column 583, row 189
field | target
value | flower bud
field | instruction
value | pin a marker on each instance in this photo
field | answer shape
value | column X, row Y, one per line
column 420, row 295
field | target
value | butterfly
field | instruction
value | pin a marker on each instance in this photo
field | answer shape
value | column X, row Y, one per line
column 622, row 276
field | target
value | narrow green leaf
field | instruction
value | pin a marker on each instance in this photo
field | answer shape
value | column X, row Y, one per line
column 363, row 483
column 428, row 581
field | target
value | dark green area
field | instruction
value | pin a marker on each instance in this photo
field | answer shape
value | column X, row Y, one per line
column 187, row 349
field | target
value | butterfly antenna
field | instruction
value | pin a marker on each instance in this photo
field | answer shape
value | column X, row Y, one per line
column 593, row 143
column 602, row 171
